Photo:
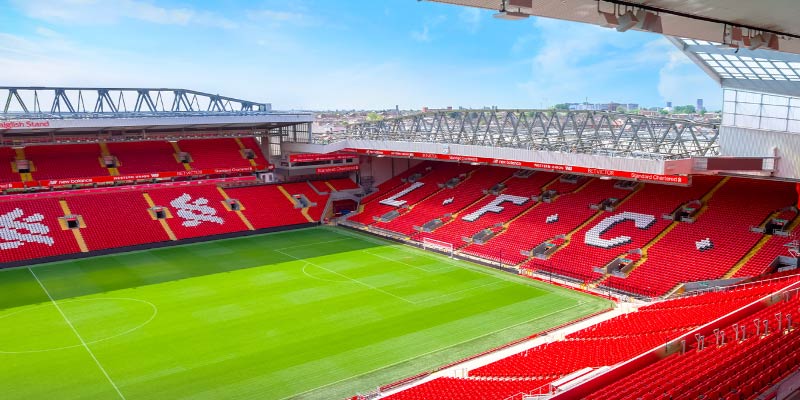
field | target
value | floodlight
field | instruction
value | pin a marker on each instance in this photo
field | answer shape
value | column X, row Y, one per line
column 627, row 21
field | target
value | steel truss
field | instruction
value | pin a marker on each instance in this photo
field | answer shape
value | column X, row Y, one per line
column 62, row 102
column 587, row 132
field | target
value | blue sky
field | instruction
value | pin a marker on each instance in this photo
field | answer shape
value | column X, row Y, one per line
column 322, row 54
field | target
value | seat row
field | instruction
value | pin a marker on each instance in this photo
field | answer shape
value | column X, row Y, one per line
column 70, row 222
column 87, row 160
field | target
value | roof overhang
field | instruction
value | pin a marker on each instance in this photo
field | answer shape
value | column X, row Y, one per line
column 73, row 124
column 696, row 19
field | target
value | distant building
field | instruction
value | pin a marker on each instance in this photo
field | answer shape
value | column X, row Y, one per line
column 700, row 107
column 669, row 104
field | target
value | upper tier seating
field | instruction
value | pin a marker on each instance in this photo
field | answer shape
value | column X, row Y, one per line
column 66, row 161
column 143, row 157
column 214, row 153
column 7, row 157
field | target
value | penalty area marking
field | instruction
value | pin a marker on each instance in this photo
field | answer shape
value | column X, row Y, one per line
column 75, row 331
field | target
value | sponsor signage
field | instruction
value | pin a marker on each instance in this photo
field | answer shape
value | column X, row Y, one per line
column 24, row 124
column 129, row 177
column 673, row 179
column 338, row 168
column 310, row 157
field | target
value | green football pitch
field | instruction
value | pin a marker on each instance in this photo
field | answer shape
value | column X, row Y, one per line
column 318, row 313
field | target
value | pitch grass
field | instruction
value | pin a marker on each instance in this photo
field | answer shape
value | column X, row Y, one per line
column 311, row 314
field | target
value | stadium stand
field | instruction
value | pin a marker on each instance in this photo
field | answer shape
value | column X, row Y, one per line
column 197, row 211
column 459, row 389
column 662, row 235
column 66, row 161
column 116, row 219
column 214, row 153
column 411, row 193
column 33, row 229
column 559, row 217
column 749, row 360
column 38, row 227
column 144, row 157
column 450, row 200
column 265, row 206
column 7, row 165
column 622, row 338
column 342, row 184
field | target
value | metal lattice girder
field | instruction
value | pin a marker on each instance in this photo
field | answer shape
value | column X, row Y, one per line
column 29, row 101
column 587, row 132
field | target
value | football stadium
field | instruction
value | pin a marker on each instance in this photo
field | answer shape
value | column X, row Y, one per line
column 168, row 243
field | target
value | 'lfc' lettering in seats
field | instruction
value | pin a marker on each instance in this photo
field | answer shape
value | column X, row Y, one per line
column 592, row 237
column 195, row 212
column 494, row 206
column 16, row 232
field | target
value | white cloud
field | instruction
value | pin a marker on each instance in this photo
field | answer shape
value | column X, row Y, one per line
column 102, row 12
column 682, row 82
column 278, row 17
column 424, row 35
column 470, row 18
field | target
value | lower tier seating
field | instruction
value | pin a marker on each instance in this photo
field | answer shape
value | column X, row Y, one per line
column 32, row 229
column 627, row 336
column 71, row 222
column 734, row 369
column 116, row 220
column 462, row 389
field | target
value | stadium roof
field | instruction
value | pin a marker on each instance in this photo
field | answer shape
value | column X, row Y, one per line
column 759, row 70
column 696, row 19
column 37, row 110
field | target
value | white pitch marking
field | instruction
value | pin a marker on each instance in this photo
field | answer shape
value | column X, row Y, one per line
column 347, row 277
column 313, row 244
column 75, row 331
